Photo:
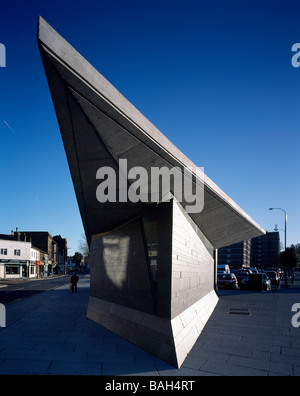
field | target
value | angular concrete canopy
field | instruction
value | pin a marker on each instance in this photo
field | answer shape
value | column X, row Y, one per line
column 152, row 267
column 121, row 132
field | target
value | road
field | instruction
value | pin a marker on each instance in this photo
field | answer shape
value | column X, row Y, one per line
column 19, row 290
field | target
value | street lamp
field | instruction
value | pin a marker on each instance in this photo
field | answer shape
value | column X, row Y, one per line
column 285, row 221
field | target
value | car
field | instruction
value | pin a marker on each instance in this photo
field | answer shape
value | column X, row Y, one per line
column 274, row 277
column 224, row 268
column 266, row 283
column 277, row 270
column 227, row 281
column 240, row 275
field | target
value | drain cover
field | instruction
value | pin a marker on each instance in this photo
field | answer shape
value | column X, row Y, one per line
column 238, row 311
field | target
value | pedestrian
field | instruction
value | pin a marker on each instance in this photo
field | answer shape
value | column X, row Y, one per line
column 73, row 282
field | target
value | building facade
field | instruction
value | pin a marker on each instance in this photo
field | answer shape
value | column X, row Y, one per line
column 62, row 253
column 43, row 241
column 265, row 251
column 29, row 254
column 18, row 259
column 236, row 255
column 260, row 252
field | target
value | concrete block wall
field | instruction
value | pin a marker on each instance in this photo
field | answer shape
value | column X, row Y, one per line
column 152, row 333
column 119, row 271
column 192, row 263
column 187, row 326
column 166, row 323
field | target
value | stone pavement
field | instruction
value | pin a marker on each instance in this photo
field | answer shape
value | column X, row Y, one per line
column 249, row 334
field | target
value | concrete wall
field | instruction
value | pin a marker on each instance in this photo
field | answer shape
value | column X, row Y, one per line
column 167, row 319
column 193, row 298
column 192, row 263
column 119, row 270
column 164, row 260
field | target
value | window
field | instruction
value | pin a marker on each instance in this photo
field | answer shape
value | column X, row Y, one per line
column 17, row 252
column 4, row 252
column 12, row 270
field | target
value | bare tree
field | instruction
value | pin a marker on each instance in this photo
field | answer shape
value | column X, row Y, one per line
column 83, row 246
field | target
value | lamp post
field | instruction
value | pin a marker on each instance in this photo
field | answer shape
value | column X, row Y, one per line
column 285, row 221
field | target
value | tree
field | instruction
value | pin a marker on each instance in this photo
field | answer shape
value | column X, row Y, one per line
column 289, row 258
column 297, row 247
column 76, row 259
column 83, row 246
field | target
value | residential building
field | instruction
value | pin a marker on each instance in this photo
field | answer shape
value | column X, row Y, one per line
column 236, row 255
column 260, row 252
column 265, row 250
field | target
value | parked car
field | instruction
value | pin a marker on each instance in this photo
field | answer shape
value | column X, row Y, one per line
column 223, row 268
column 278, row 271
column 274, row 277
column 241, row 275
column 227, row 281
column 266, row 283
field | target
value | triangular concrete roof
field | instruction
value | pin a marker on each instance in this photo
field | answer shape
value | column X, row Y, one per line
column 100, row 126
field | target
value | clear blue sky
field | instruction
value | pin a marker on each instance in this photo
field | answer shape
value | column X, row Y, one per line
column 214, row 76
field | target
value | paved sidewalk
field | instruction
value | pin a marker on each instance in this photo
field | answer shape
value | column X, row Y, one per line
column 263, row 343
column 49, row 334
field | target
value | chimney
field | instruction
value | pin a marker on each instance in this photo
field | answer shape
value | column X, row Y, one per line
column 18, row 234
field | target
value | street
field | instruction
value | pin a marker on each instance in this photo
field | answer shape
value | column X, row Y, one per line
column 16, row 290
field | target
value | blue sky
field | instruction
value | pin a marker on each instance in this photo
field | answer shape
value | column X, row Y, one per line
column 214, row 76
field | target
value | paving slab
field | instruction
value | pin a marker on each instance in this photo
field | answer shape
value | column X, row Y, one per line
column 49, row 334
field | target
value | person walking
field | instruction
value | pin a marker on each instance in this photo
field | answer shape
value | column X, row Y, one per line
column 73, row 282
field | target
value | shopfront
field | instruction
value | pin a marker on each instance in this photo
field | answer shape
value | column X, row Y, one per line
column 13, row 269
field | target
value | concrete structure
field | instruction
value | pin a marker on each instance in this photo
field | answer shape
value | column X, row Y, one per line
column 152, row 266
